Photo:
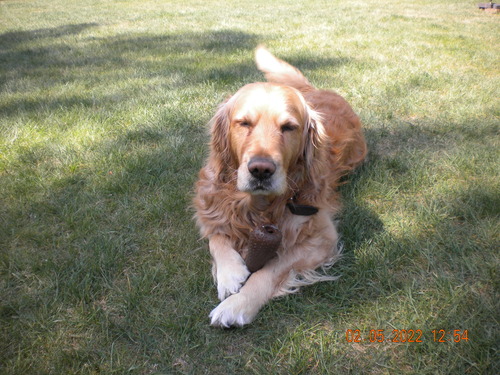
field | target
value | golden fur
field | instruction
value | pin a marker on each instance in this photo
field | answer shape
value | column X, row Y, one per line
column 311, row 138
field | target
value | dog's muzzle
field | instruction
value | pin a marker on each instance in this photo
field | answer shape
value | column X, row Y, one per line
column 261, row 175
column 261, row 171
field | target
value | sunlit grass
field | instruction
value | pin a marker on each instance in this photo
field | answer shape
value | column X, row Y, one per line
column 103, row 112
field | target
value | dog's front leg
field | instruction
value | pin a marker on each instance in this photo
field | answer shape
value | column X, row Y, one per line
column 229, row 269
column 241, row 308
column 274, row 278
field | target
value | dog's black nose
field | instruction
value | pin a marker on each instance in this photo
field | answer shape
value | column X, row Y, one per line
column 261, row 168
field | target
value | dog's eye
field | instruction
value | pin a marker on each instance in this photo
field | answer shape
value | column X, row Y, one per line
column 288, row 127
column 244, row 123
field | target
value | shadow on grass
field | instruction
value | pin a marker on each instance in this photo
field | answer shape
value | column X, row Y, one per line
column 11, row 40
column 133, row 63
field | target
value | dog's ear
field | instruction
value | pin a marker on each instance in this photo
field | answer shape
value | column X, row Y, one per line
column 314, row 138
column 220, row 150
column 315, row 146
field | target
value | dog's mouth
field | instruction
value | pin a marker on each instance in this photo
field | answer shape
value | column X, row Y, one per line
column 260, row 187
column 271, row 186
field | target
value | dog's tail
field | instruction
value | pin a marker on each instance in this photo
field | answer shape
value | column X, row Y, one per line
column 278, row 71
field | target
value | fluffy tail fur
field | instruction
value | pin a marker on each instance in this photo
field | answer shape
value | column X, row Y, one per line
column 278, row 71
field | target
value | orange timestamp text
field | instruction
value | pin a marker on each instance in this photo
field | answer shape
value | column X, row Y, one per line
column 405, row 335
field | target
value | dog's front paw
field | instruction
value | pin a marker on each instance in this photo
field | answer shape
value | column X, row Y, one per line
column 231, row 277
column 235, row 311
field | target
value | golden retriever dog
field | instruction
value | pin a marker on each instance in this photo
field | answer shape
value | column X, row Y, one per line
column 277, row 153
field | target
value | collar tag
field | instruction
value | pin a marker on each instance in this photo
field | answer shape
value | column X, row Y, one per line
column 301, row 209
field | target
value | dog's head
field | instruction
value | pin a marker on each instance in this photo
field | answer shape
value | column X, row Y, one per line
column 263, row 132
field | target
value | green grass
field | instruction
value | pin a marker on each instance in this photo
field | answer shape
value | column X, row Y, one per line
column 103, row 112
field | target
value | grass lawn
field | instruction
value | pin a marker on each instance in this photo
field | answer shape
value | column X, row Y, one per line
column 103, row 112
